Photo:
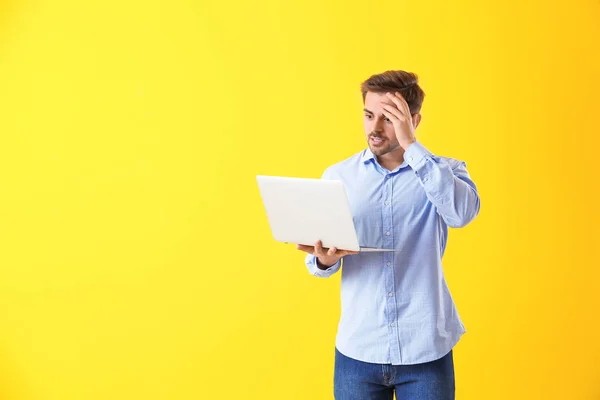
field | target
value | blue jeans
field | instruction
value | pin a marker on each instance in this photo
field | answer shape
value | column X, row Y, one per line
column 358, row 380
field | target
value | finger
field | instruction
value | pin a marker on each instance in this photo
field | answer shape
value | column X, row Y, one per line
column 393, row 117
column 400, row 102
column 308, row 249
column 318, row 248
column 331, row 251
column 394, row 111
column 394, row 108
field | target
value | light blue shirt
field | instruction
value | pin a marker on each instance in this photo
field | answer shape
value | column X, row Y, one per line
column 395, row 306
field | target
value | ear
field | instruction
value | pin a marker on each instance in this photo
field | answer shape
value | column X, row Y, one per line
column 416, row 119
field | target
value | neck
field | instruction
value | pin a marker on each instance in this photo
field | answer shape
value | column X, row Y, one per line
column 391, row 160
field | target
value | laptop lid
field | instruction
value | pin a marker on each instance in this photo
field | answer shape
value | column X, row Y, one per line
column 304, row 210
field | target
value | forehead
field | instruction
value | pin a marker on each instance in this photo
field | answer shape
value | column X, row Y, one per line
column 373, row 101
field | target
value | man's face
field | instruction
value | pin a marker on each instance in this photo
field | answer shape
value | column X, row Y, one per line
column 379, row 130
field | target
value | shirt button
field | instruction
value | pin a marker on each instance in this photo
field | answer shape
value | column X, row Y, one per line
column 410, row 158
column 387, row 234
column 387, row 203
column 389, row 263
column 390, row 294
column 425, row 180
column 392, row 324
column 387, row 176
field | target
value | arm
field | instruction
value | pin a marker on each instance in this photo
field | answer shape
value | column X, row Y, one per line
column 317, row 269
column 323, row 262
column 447, row 185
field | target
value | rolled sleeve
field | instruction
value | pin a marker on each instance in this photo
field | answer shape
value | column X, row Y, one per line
column 447, row 184
column 313, row 268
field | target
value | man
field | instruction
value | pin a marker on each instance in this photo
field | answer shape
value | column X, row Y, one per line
column 398, row 321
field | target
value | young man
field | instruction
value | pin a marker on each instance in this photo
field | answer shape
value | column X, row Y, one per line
column 398, row 321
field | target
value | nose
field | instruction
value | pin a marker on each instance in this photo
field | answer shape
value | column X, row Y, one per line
column 377, row 125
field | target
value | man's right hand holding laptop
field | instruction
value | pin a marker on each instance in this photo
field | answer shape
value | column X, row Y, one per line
column 326, row 256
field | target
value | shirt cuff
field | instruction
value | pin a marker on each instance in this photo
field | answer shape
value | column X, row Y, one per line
column 415, row 154
column 323, row 272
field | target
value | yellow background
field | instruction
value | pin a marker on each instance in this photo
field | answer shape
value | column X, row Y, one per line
column 136, row 258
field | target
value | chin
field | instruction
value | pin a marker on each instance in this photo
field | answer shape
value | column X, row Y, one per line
column 379, row 151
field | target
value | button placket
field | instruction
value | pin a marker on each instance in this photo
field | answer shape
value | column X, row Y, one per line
column 387, row 214
column 388, row 242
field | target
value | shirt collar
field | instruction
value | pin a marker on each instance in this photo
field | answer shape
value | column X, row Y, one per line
column 368, row 155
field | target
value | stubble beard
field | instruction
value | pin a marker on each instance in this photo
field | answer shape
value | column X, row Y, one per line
column 388, row 148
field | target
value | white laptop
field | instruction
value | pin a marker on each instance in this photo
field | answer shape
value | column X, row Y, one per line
column 305, row 210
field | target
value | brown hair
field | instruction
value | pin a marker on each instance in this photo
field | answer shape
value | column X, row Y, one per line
column 396, row 81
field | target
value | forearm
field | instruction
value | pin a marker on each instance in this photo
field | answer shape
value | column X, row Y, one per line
column 320, row 270
column 447, row 184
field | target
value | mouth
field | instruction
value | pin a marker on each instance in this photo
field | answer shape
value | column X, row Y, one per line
column 376, row 141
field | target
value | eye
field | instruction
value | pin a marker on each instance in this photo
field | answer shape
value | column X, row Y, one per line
column 368, row 116
column 387, row 119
